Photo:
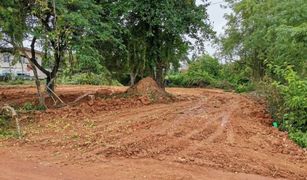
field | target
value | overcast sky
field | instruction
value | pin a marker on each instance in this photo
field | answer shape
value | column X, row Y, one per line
column 216, row 16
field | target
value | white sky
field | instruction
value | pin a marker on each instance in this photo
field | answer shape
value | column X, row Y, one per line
column 216, row 16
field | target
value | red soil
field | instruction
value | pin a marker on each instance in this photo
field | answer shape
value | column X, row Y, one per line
column 208, row 134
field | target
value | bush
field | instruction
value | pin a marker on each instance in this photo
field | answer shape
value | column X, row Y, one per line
column 299, row 137
column 28, row 106
column 6, row 127
column 89, row 79
column 207, row 72
column 197, row 79
column 201, row 73
column 287, row 99
column 240, row 88
column 224, row 84
column 175, row 79
column 293, row 99
column 191, row 79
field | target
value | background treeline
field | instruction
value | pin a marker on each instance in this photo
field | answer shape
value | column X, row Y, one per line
column 99, row 41
column 207, row 71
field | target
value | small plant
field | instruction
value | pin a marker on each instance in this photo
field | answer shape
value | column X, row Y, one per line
column 244, row 88
column 299, row 137
column 6, row 129
column 28, row 106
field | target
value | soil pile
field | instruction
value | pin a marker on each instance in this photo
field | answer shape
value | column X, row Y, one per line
column 148, row 88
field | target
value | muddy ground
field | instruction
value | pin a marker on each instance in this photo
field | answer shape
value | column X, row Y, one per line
column 204, row 134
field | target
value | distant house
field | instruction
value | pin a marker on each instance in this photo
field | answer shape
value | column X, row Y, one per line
column 18, row 66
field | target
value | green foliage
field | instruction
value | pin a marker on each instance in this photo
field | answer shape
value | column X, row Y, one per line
column 89, row 79
column 202, row 72
column 294, row 95
column 299, row 137
column 191, row 79
column 207, row 64
column 156, row 29
column 12, row 82
column 28, row 106
column 18, row 82
column 6, row 129
column 61, row 26
column 240, row 88
column 287, row 98
column 267, row 32
column 206, row 71
column 269, row 39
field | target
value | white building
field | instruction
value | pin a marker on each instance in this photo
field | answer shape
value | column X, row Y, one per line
column 18, row 66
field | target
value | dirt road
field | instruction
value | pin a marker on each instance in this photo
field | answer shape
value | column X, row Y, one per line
column 208, row 134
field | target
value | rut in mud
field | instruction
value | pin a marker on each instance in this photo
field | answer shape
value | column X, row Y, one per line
column 206, row 128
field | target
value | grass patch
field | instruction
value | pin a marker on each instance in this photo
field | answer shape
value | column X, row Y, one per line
column 6, row 128
column 299, row 137
column 28, row 106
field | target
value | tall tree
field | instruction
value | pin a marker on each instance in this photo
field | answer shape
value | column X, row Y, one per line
column 61, row 26
column 267, row 32
column 15, row 26
column 160, row 28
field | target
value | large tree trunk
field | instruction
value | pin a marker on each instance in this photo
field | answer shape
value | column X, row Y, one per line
column 132, row 78
column 50, row 81
column 160, row 75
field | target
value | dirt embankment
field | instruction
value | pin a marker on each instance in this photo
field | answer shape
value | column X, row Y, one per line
column 208, row 134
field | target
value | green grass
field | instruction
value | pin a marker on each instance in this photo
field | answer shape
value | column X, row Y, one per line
column 6, row 128
column 19, row 82
column 28, row 106
column 299, row 137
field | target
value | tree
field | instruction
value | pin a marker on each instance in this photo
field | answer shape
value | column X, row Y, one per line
column 267, row 32
column 60, row 26
column 14, row 27
column 160, row 28
column 269, row 37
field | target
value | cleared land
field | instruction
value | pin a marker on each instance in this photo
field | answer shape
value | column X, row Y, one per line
column 204, row 134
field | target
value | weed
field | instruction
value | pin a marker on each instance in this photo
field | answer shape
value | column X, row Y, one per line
column 6, row 129
column 299, row 137
column 28, row 106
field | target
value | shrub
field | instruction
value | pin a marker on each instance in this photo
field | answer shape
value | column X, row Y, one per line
column 287, row 98
column 240, row 88
column 207, row 64
column 89, row 79
column 299, row 137
column 294, row 93
column 6, row 127
column 28, row 106
column 207, row 72
column 197, row 79
column 175, row 79
column 191, row 79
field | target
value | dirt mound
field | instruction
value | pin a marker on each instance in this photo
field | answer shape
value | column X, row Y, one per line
column 149, row 88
